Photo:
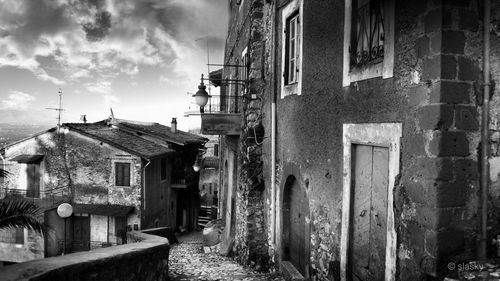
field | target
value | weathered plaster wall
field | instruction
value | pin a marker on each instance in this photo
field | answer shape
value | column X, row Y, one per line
column 99, row 229
column 157, row 194
column 79, row 167
column 436, row 193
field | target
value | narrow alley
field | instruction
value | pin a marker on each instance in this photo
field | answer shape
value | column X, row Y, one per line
column 189, row 262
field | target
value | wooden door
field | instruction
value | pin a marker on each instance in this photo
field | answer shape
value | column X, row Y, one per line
column 299, row 209
column 369, row 212
column 81, row 233
column 33, row 174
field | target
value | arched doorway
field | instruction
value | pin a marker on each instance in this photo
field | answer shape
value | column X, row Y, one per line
column 295, row 228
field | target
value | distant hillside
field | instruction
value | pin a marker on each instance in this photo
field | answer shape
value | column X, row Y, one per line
column 10, row 133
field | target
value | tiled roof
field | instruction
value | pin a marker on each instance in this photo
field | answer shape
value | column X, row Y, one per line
column 160, row 131
column 121, row 139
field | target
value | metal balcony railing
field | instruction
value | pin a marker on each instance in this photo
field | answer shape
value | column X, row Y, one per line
column 224, row 104
column 43, row 198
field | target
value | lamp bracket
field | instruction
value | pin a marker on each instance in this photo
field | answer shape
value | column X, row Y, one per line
column 231, row 81
column 231, row 65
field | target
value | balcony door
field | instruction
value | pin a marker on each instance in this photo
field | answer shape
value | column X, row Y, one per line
column 33, row 180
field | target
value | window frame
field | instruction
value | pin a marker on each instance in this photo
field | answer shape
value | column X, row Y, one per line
column 292, row 42
column 385, row 68
column 124, row 164
column 293, row 10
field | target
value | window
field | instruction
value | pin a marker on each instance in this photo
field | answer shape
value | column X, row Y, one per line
column 368, row 40
column 291, row 48
column 122, row 174
column 163, row 169
column 367, row 36
column 216, row 149
column 292, row 32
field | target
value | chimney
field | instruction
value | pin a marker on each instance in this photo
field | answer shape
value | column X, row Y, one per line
column 83, row 118
column 173, row 125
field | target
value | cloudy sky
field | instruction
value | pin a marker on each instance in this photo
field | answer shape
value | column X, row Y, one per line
column 139, row 57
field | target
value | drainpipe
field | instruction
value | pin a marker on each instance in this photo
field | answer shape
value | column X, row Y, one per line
column 144, row 184
column 273, row 130
column 484, row 133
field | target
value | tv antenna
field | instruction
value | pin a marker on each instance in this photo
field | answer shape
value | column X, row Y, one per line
column 208, row 60
column 59, row 109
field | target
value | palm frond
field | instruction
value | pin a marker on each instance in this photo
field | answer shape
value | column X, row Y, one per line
column 4, row 173
column 21, row 214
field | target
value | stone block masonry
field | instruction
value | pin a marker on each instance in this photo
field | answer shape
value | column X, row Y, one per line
column 447, row 172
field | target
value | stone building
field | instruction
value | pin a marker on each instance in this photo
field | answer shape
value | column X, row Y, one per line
column 118, row 175
column 356, row 153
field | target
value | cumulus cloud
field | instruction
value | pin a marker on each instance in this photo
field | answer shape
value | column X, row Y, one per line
column 102, row 87
column 16, row 100
column 98, row 29
column 90, row 45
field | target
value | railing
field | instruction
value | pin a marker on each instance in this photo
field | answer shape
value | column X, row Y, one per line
column 224, row 104
column 182, row 178
column 44, row 198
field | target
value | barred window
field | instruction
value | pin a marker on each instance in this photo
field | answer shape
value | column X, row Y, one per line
column 367, row 33
column 122, row 174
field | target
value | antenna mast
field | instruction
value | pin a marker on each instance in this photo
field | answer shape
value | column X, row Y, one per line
column 58, row 110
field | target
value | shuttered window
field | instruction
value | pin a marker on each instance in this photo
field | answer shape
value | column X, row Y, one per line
column 122, row 174
column 292, row 49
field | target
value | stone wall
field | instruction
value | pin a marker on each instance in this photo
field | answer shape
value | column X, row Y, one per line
column 246, row 32
column 437, row 72
column 434, row 93
column 145, row 260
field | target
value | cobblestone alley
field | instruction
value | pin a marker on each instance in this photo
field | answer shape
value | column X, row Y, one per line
column 189, row 262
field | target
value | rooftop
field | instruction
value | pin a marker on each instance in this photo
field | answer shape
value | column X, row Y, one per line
column 147, row 140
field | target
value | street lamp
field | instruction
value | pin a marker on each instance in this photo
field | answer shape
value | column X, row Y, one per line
column 201, row 97
column 64, row 211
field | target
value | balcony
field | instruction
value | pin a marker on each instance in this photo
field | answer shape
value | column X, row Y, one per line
column 181, row 179
column 222, row 116
column 44, row 199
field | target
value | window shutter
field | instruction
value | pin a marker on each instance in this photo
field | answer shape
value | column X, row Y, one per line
column 122, row 174
column 118, row 174
column 126, row 174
